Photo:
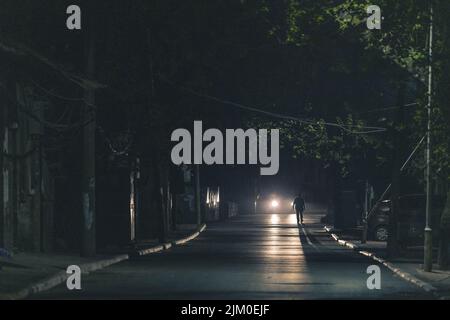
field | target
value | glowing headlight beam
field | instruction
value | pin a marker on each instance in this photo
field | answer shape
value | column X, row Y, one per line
column 274, row 203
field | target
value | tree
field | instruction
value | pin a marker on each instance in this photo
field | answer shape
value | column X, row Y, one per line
column 403, row 40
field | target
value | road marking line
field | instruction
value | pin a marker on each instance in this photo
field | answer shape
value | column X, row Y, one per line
column 308, row 240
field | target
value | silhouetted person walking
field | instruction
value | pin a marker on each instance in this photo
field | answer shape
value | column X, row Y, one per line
column 299, row 207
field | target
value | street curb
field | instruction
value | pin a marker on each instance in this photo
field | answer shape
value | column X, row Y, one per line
column 60, row 277
column 396, row 270
column 150, row 250
column 168, row 245
column 191, row 237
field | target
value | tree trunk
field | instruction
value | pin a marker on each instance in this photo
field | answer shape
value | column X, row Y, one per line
column 159, row 198
column 444, row 236
column 88, row 247
column 393, row 246
column 2, row 204
column 336, row 201
column 197, row 194
column 165, row 198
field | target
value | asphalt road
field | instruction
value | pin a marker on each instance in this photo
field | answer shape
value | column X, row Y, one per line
column 248, row 257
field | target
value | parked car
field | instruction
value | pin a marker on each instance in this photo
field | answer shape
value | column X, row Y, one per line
column 411, row 218
column 378, row 221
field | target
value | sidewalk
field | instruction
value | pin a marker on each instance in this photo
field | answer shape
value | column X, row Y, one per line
column 409, row 266
column 27, row 273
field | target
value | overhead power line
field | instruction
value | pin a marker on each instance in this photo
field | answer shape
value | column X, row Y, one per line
column 401, row 169
column 347, row 128
column 388, row 108
column 55, row 95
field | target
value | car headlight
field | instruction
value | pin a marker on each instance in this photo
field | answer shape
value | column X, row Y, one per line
column 274, row 203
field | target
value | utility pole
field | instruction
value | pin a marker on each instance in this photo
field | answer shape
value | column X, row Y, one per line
column 88, row 247
column 428, row 244
column 197, row 194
